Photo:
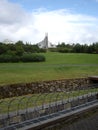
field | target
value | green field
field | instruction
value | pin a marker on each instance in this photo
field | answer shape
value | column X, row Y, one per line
column 57, row 66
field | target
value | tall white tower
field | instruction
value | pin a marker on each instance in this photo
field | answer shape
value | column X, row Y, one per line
column 46, row 41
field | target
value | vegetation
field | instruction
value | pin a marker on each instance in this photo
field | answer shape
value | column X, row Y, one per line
column 20, row 52
column 77, row 48
column 82, row 61
column 19, row 48
column 26, row 57
column 56, row 66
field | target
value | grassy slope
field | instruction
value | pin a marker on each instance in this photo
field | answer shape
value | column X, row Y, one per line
column 57, row 66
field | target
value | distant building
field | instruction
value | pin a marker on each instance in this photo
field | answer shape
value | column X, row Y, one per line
column 45, row 44
column 7, row 41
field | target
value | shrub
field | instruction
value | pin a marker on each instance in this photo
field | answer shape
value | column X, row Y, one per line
column 27, row 57
column 32, row 58
column 9, row 58
column 53, row 49
column 64, row 50
column 42, row 50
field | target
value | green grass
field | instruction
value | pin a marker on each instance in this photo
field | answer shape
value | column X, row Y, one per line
column 57, row 66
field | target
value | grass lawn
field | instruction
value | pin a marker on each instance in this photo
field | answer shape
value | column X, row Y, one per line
column 57, row 66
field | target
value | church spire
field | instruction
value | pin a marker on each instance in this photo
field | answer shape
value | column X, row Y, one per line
column 46, row 40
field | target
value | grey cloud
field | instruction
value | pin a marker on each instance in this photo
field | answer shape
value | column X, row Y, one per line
column 11, row 13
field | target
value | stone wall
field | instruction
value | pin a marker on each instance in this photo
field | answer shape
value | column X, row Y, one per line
column 13, row 90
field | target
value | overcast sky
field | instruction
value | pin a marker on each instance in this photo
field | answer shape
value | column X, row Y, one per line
column 69, row 21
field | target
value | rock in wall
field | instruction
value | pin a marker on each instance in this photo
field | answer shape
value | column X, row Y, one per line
column 13, row 90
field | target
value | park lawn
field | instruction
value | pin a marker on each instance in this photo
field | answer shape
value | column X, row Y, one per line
column 56, row 66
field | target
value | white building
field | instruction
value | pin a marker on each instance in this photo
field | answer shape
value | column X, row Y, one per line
column 45, row 43
column 7, row 41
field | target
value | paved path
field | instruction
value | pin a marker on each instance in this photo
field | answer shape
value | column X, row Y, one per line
column 66, row 65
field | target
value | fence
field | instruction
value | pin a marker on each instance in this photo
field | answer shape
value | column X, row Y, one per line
column 15, row 110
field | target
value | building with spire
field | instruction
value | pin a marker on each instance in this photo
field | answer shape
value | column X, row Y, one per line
column 45, row 44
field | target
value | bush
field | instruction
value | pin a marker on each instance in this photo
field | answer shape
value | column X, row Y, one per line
column 42, row 50
column 64, row 50
column 53, row 49
column 28, row 57
column 32, row 58
column 9, row 58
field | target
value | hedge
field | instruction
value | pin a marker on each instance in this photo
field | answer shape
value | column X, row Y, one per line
column 32, row 58
column 24, row 58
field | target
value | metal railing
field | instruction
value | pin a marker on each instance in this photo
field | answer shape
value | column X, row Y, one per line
column 20, row 109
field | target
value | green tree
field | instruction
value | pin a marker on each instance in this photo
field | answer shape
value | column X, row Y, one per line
column 3, row 48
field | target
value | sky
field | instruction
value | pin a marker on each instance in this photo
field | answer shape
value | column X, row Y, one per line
column 69, row 21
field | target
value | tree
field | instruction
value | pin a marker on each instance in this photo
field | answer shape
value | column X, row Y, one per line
column 77, row 48
column 3, row 48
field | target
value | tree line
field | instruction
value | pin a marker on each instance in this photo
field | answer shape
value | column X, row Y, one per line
column 19, row 48
column 20, row 52
column 77, row 48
